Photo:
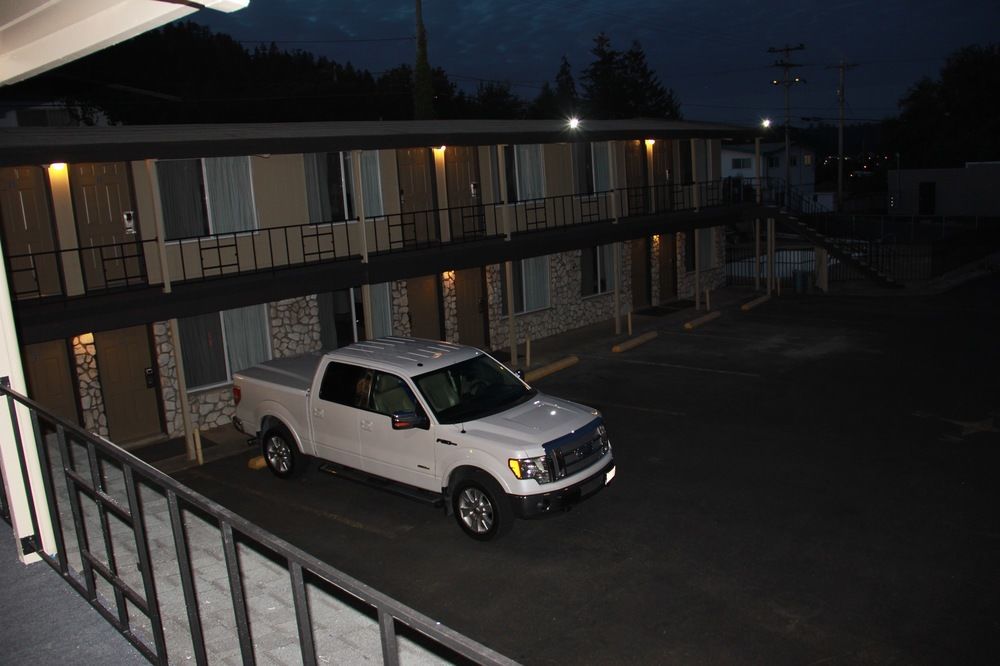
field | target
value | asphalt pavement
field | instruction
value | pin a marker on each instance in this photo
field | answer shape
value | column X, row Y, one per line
column 811, row 482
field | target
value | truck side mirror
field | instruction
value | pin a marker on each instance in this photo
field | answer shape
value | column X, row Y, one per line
column 409, row 420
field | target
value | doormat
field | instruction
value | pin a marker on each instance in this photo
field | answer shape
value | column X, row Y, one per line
column 168, row 449
column 666, row 308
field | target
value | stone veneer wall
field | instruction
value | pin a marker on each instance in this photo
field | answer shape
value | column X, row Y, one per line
column 91, row 397
column 567, row 308
column 711, row 278
column 400, row 309
column 166, row 362
column 450, row 303
column 654, row 269
column 294, row 326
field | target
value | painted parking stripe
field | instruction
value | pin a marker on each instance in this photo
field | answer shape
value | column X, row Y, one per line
column 694, row 368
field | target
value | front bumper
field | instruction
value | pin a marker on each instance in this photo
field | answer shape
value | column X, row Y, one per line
column 532, row 506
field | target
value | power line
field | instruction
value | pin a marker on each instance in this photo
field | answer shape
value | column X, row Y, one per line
column 787, row 82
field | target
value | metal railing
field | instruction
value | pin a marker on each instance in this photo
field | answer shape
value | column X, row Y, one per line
column 83, row 271
column 104, row 504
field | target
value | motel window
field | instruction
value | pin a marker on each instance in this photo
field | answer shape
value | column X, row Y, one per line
column 524, row 171
column 531, row 285
column 207, row 196
column 773, row 162
column 592, row 167
column 597, row 270
column 329, row 187
column 741, row 162
column 706, row 249
column 215, row 345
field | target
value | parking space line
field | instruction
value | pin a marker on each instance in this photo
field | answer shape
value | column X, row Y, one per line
column 695, row 368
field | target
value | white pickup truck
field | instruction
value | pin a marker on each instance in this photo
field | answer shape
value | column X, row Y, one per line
column 444, row 421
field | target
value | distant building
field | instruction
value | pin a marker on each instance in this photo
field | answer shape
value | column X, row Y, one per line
column 738, row 160
column 972, row 190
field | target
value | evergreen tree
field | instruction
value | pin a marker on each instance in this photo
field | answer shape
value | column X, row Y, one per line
column 622, row 85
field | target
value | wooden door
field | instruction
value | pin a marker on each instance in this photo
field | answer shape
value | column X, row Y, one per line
column 635, row 177
column 27, row 233
column 668, row 268
column 465, row 214
column 102, row 200
column 128, row 383
column 423, row 297
column 50, row 380
column 663, row 175
column 470, row 298
column 641, row 287
column 417, row 200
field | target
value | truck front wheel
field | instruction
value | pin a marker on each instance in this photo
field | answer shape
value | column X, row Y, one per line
column 281, row 454
column 482, row 508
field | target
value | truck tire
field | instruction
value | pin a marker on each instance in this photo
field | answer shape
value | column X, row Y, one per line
column 481, row 508
column 281, row 453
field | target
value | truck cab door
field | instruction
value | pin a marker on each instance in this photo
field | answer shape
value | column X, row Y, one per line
column 406, row 456
column 335, row 415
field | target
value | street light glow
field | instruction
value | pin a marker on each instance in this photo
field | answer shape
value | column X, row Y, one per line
column 765, row 123
column 574, row 123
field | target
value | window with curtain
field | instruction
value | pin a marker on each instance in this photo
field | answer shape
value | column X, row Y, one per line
column 371, row 184
column 602, row 165
column 182, row 197
column 329, row 187
column 524, row 170
column 215, row 345
column 381, row 310
column 583, row 168
column 597, row 270
column 531, row 285
column 229, row 194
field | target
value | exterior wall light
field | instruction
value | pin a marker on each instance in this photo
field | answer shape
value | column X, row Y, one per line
column 650, row 142
column 57, row 166
column 574, row 123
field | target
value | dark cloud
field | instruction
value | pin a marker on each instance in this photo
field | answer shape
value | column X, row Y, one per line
column 712, row 52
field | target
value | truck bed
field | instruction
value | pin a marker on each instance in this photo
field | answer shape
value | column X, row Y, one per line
column 295, row 372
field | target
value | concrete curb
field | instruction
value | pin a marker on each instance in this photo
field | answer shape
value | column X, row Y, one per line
column 634, row 342
column 704, row 319
column 257, row 462
column 547, row 370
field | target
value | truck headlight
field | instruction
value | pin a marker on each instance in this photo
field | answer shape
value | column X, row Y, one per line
column 605, row 441
column 531, row 468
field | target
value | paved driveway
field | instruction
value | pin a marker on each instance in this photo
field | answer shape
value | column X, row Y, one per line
column 811, row 482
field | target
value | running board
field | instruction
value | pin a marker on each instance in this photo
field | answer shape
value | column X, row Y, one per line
column 377, row 482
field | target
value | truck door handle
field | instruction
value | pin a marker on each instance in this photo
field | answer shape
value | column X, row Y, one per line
column 366, row 425
column 318, row 412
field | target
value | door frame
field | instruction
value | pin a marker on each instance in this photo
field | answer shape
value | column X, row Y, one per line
column 157, row 386
column 74, row 380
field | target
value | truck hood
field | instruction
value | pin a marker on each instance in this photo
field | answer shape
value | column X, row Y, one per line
column 532, row 424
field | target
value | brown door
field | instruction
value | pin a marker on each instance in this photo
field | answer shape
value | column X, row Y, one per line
column 417, row 195
column 640, row 274
column 425, row 307
column 50, row 381
column 128, row 382
column 635, row 177
column 668, row 268
column 663, row 175
column 470, row 298
column 102, row 199
column 465, row 214
column 27, row 232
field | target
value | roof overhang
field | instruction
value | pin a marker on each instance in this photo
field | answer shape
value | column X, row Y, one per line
column 27, row 145
column 38, row 35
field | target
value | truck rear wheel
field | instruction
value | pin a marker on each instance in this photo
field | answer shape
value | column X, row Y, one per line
column 482, row 509
column 281, row 453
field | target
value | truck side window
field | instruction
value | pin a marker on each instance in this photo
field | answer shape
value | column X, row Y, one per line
column 390, row 394
column 346, row 385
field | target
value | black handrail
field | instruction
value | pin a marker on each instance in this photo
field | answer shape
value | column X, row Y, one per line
column 131, row 511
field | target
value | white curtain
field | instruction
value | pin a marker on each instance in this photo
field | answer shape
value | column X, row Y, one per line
column 230, row 194
column 530, row 176
column 381, row 310
column 371, row 184
column 246, row 336
column 202, row 350
column 602, row 166
column 535, row 274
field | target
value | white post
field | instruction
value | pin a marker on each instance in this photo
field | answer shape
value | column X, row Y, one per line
column 616, row 264
column 182, row 396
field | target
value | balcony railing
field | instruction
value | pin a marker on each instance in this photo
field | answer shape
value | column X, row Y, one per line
column 93, row 270
column 163, row 564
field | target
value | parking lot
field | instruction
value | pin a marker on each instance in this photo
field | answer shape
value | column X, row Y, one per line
column 812, row 482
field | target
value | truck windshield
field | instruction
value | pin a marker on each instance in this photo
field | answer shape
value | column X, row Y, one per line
column 471, row 389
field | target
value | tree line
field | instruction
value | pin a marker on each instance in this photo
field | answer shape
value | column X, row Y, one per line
column 185, row 73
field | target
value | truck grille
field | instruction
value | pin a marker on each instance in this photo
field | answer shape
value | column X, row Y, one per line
column 568, row 455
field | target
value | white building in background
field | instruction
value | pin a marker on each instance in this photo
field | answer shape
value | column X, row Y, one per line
column 739, row 161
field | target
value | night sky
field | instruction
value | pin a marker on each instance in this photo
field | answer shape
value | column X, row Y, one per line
column 712, row 53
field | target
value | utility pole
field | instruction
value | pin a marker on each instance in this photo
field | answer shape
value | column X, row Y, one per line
column 841, row 97
column 423, row 87
column 787, row 82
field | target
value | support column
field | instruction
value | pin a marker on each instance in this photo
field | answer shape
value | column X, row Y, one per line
column 756, row 163
column 822, row 270
column 616, row 269
column 771, row 274
column 756, row 253
column 697, row 269
column 694, row 174
column 511, row 327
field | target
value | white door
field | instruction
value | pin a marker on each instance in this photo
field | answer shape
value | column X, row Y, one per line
column 335, row 415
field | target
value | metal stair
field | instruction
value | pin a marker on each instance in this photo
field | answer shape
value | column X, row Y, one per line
column 796, row 224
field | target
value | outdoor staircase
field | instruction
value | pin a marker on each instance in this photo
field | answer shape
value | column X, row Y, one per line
column 797, row 223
